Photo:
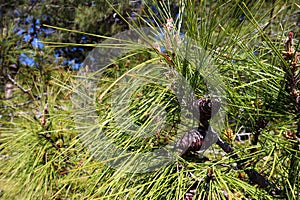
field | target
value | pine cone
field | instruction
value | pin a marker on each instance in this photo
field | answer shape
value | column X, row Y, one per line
column 208, row 107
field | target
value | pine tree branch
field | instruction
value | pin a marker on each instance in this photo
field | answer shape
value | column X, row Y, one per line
column 17, row 84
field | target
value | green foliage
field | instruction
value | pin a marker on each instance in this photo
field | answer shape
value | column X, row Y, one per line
column 42, row 155
column 87, row 16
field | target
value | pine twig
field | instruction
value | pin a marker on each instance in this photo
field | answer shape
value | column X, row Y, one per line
column 17, row 84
